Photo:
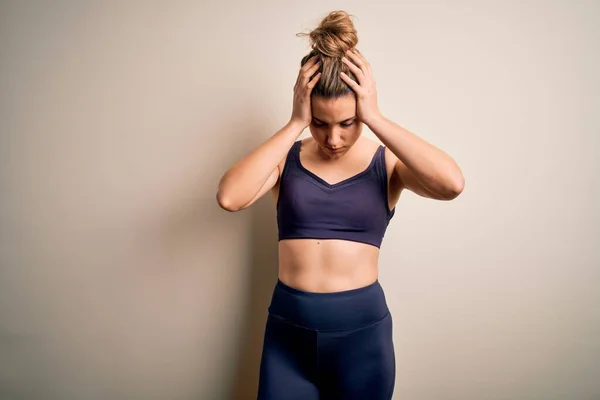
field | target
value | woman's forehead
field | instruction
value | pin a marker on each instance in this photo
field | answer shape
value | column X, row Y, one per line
column 334, row 110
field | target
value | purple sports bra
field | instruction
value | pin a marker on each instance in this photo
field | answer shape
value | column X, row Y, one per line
column 354, row 209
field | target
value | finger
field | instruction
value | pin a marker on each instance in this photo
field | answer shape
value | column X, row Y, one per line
column 365, row 63
column 352, row 83
column 355, row 69
column 313, row 82
column 307, row 65
column 311, row 62
column 304, row 75
column 357, row 59
column 358, row 54
column 311, row 71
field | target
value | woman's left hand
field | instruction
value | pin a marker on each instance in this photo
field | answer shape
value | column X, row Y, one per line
column 366, row 93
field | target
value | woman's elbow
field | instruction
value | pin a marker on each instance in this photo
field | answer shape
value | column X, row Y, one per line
column 456, row 188
column 226, row 204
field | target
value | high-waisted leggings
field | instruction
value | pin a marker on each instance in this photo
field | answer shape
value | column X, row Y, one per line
column 335, row 345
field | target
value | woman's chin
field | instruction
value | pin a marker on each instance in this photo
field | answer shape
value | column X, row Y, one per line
column 337, row 153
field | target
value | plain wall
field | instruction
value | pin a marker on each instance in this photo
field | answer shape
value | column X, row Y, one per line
column 121, row 278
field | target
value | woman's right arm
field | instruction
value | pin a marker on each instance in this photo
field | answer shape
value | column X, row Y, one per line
column 254, row 175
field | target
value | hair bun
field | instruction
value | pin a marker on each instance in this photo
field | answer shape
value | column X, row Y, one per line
column 335, row 35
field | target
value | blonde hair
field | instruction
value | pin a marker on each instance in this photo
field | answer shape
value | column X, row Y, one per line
column 330, row 41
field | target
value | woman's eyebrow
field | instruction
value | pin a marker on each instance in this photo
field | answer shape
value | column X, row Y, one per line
column 346, row 120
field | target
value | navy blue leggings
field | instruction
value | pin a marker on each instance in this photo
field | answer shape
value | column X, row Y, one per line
column 327, row 345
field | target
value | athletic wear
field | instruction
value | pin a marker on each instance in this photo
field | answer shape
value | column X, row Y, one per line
column 327, row 345
column 334, row 345
column 354, row 209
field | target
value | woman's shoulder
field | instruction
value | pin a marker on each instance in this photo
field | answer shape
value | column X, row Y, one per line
column 389, row 157
column 368, row 146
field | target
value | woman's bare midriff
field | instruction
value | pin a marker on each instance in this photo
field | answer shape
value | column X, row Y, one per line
column 327, row 265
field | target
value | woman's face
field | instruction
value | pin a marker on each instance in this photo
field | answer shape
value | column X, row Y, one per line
column 335, row 126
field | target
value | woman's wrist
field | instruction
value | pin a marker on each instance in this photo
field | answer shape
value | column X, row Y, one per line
column 297, row 126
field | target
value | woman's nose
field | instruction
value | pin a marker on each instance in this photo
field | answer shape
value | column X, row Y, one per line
column 334, row 140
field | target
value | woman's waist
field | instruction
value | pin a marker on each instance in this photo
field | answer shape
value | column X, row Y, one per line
column 328, row 286
column 318, row 265
column 329, row 311
column 315, row 274
column 327, row 278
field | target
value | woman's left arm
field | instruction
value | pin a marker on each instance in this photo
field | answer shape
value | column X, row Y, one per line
column 421, row 167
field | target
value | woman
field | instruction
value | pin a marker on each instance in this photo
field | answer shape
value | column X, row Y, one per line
column 329, row 330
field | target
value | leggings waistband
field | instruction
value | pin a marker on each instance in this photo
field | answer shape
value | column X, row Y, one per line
column 344, row 310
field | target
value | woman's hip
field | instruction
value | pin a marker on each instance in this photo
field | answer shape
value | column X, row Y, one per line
column 343, row 310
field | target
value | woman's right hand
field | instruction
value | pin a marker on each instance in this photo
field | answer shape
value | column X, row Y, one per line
column 258, row 172
column 301, row 112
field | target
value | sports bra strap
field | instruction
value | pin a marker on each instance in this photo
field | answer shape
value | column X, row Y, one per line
column 381, row 169
column 290, row 159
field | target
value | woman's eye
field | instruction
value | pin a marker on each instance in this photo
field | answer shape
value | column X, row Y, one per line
column 342, row 125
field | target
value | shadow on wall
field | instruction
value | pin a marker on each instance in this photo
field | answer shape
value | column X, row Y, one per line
column 263, row 264
column 199, row 226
